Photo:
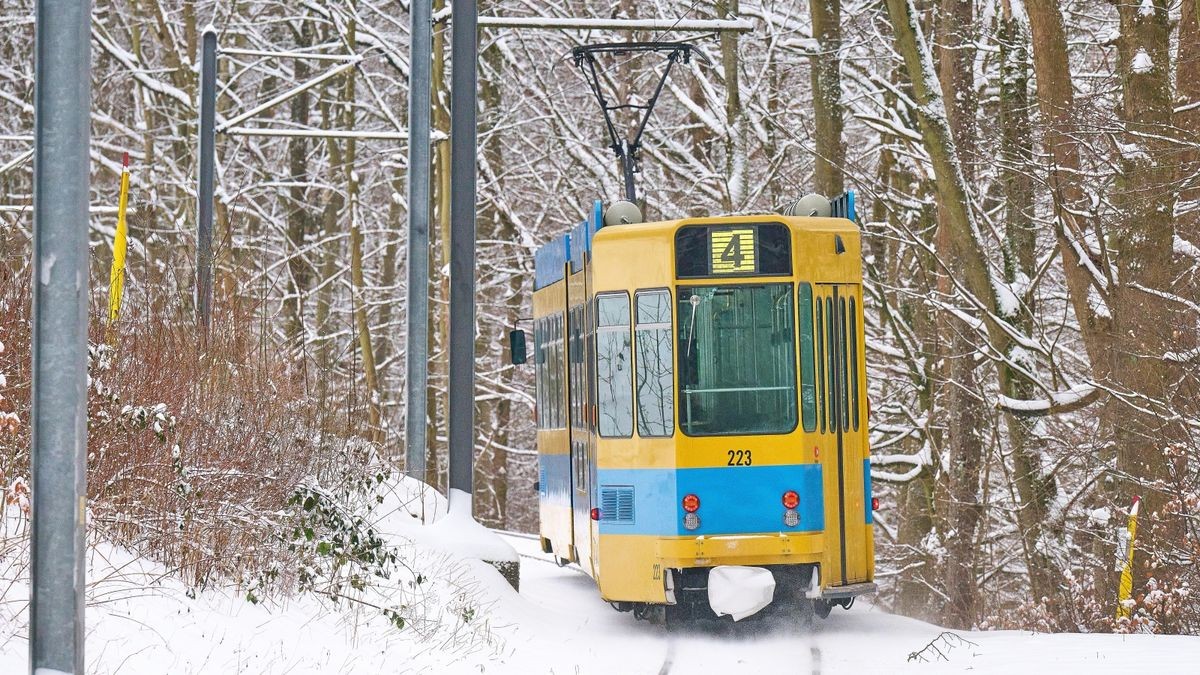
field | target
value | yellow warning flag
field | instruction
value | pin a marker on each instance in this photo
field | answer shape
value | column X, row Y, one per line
column 116, row 279
column 1126, row 587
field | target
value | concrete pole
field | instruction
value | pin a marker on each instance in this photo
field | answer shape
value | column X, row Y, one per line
column 204, row 206
column 464, row 54
column 417, row 351
column 62, row 114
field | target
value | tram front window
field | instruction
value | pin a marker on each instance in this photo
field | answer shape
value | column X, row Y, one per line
column 737, row 359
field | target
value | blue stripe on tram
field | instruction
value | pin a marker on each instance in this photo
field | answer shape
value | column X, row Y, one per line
column 554, row 479
column 867, row 491
column 737, row 500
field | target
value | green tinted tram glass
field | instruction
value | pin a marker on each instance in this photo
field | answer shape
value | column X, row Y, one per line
column 808, row 367
column 737, row 359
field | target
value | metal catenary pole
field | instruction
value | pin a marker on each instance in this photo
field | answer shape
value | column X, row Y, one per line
column 464, row 53
column 62, row 105
column 204, row 207
column 417, row 352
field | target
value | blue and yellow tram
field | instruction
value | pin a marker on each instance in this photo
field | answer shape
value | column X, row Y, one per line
column 702, row 403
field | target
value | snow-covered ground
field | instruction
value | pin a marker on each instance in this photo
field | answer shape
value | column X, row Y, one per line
column 142, row 621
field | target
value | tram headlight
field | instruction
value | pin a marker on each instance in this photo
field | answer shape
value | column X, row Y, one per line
column 791, row 517
column 691, row 521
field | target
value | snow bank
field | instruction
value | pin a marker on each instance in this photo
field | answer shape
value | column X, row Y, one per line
column 141, row 620
column 739, row 591
column 451, row 529
column 460, row 534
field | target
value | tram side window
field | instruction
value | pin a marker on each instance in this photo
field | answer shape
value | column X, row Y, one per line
column 822, row 394
column 543, row 338
column 655, row 364
column 551, row 391
column 539, row 363
column 559, row 391
column 578, row 395
column 853, row 357
column 831, row 374
column 572, row 361
column 614, row 366
column 845, row 364
column 808, row 382
column 589, row 338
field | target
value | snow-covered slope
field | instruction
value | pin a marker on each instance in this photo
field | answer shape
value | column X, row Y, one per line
column 141, row 621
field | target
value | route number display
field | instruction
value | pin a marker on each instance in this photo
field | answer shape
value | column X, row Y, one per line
column 733, row 251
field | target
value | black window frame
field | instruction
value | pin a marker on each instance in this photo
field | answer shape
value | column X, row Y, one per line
column 760, row 252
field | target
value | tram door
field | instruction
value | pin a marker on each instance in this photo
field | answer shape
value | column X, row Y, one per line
column 577, row 362
column 841, row 399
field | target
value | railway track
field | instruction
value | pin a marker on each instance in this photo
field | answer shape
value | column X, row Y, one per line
column 672, row 640
column 668, row 657
column 539, row 558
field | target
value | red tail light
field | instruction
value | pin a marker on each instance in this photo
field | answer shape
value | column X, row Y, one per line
column 790, row 499
column 691, row 503
column 874, row 503
column 595, row 514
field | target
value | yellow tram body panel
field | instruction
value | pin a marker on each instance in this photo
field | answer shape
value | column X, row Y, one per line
column 650, row 470
column 637, row 562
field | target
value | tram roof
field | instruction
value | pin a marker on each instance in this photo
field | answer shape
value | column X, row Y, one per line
column 550, row 259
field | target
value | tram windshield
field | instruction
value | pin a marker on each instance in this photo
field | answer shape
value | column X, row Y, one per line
column 737, row 359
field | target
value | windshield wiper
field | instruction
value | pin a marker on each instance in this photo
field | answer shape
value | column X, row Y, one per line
column 695, row 302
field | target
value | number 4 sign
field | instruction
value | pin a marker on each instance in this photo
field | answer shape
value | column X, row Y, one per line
column 733, row 251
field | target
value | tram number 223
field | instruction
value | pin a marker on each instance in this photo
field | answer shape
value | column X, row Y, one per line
column 739, row 458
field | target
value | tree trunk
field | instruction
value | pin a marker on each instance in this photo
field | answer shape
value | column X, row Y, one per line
column 1016, row 177
column 1187, row 121
column 735, row 117
column 299, row 218
column 491, row 467
column 357, row 282
column 967, row 252
column 958, row 507
column 826, row 69
column 1056, row 100
column 1147, row 327
column 439, row 305
column 329, row 256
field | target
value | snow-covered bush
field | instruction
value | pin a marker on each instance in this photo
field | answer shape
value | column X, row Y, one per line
column 349, row 546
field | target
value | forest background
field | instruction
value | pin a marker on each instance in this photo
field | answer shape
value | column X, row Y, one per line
column 1026, row 172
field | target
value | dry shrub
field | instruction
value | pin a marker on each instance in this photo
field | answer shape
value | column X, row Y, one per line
column 193, row 452
column 14, row 376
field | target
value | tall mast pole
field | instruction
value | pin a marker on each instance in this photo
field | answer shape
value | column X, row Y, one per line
column 204, row 206
column 464, row 53
column 62, row 114
column 417, row 352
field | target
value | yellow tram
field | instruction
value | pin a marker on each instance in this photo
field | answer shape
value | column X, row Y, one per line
column 702, row 404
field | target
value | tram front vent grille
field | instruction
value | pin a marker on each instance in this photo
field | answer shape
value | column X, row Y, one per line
column 616, row 504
